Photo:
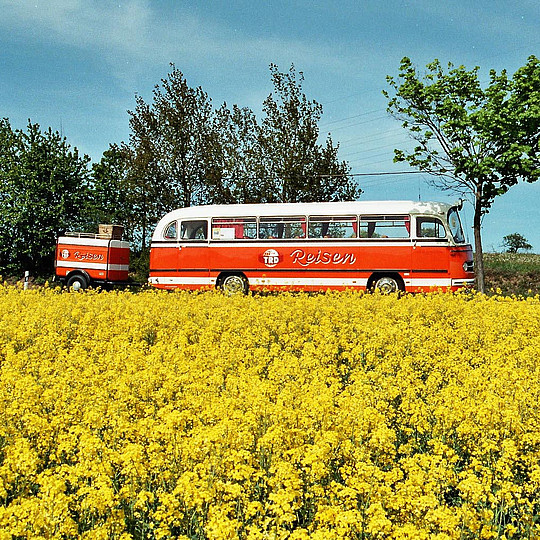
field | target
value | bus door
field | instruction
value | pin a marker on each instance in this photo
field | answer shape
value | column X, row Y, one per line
column 192, row 253
column 430, row 258
column 386, row 243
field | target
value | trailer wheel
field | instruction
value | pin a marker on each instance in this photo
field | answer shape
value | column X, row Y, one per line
column 387, row 284
column 77, row 282
column 234, row 284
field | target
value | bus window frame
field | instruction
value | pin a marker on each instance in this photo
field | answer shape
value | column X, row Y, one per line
column 431, row 219
column 202, row 221
column 350, row 220
column 233, row 221
column 366, row 219
column 297, row 220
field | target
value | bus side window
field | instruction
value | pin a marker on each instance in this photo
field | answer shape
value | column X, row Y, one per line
column 385, row 226
column 429, row 228
column 170, row 231
column 194, row 230
column 234, row 228
column 332, row 226
column 282, row 227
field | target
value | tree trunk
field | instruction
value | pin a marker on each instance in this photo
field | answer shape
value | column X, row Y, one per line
column 478, row 255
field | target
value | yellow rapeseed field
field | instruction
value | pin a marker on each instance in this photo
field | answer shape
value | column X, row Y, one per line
column 289, row 416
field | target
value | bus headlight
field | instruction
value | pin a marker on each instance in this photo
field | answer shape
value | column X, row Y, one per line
column 468, row 266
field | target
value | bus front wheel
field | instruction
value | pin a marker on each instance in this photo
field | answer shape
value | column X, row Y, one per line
column 387, row 284
column 234, row 284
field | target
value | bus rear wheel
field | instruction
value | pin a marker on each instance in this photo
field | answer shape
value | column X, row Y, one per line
column 387, row 284
column 234, row 284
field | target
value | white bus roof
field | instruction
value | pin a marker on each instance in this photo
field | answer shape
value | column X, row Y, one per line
column 313, row 209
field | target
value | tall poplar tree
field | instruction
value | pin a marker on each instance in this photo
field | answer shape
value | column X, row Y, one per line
column 301, row 168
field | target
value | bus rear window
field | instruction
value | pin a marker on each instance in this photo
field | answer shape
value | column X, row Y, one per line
column 244, row 228
column 170, row 231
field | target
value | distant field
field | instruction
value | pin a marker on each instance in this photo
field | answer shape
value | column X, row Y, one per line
column 513, row 273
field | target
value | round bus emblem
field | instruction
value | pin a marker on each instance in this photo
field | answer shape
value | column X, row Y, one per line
column 270, row 257
column 65, row 254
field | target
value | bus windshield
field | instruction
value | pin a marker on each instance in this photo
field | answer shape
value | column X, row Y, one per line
column 455, row 226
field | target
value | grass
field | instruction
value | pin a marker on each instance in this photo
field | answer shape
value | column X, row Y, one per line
column 513, row 273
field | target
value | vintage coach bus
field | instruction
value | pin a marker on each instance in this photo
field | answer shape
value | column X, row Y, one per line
column 386, row 245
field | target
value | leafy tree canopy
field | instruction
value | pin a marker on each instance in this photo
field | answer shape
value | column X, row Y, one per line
column 44, row 186
column 477, row 142
column 514, row 242
column 204, row 155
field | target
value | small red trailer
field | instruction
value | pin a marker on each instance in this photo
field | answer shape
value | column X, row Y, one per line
column 87, row 259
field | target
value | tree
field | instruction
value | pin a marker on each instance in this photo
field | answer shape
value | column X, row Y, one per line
column 301, row 169
column 44, row 186
column 109, row 200
column 476, row 142
column 515, row 241
column 170, row 149
column 239, row 175
column 182, row 152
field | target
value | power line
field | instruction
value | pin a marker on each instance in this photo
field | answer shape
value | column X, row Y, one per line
column 348, row 118
column 394, row 173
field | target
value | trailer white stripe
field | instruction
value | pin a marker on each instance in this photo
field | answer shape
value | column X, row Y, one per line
column 104, row 242
column 93, row 266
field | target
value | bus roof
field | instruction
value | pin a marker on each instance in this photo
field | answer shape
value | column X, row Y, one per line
column 312, row 208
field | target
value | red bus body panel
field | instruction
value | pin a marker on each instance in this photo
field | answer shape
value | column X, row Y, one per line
column 305, row 266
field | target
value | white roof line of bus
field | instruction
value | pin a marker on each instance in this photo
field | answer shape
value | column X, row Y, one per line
column 313, row 208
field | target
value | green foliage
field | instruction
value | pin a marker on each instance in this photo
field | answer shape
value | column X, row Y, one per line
column 239, row 175
column 515, row 241
column 140, row 265
column 183, row 152
column 109, row 201
column 44, row 188
column 301, row 169
column 476, row 142
column 170, row 150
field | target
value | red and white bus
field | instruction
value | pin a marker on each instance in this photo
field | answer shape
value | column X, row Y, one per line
column 386, row 245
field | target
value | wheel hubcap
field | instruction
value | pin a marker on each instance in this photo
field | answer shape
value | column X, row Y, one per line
column 387, row 285
column 233, row 285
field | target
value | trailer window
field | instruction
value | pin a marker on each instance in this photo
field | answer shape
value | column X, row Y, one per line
column 282, row 228
column 428, row 227
column 333, row 226
column 385, row 226
column 194, row 230
column 234, row 228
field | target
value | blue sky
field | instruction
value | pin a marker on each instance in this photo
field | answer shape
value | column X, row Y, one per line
column 76, row 66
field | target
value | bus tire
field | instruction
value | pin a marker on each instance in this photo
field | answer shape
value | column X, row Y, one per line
column 234, row 284
column 77, row 282
column 387, row 284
